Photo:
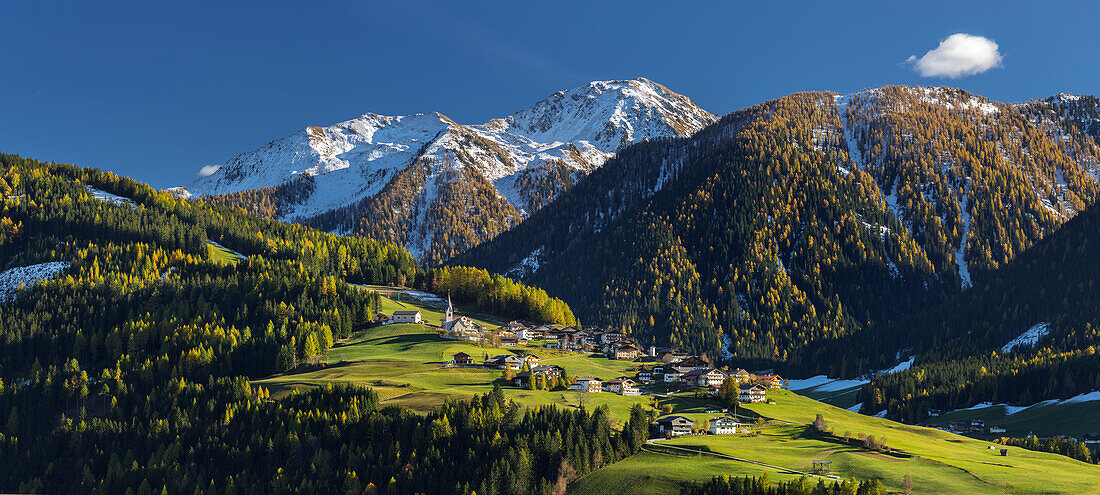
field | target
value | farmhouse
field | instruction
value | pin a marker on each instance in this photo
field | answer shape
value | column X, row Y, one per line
column 752, row 393
column 611, row 336
column 669, row 356
column 624, row 352
column 621, row 386
column 704, row 377
column 407, row 317
column 997, row 429
column 509, row 341
column 526, row 334
column 548, row 372
column 645, row 376
column 463, row 359
column 531, row 359
column 770, row 381
column 724, row 425
column 510, row 361
column 674, row 425
column 588, row 384
column 695, row 362
column 741, row 375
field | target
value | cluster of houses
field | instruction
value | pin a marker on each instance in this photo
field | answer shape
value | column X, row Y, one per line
column 621, row 386
column 677, row 367
column 671, row 426
column 978, row 426
column 972, row 426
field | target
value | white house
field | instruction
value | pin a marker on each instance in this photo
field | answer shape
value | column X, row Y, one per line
column 407, row 317
column 752, row 393
column 622, row 386
column 705, row 377
column 588, row 384
column 724, row 425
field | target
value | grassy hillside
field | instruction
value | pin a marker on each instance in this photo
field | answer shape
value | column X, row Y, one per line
column 938, row 462
column 403, row 363
column 1073, row 419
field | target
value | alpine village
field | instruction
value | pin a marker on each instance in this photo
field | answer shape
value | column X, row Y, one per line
column 562, row 286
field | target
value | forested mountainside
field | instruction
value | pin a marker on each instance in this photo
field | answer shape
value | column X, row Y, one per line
column 439, row 187
column 126, row 349
column 1026, row 333
column 802, row 220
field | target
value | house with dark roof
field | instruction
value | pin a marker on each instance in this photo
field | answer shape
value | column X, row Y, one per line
column 671, row 426
column 463, row 359
column 548, row 372
column 628, row 352
column 704, row 377
column 752, row 393
column 510, row 361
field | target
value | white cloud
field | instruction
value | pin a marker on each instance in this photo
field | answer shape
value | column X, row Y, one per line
column 959, row 55
column 208, row 170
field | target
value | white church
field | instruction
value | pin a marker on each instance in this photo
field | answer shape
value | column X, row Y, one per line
column 461, row 328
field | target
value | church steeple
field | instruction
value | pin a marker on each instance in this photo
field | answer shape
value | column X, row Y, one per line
column 449, row 316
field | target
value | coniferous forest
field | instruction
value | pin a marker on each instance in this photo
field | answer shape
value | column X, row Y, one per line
column 130, row 369
column 788, row 230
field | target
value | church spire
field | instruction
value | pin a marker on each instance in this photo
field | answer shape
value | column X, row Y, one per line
column 450, row 314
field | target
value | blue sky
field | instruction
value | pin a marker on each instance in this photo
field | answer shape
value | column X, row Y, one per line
column 156, row 90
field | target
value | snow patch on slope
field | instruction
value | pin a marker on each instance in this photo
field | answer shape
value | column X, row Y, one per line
column 1030, row 337
column 527, row 266
column 960, row 253
column 902, row 366
column 27, row 276
column 1009, row 410
column 108, row 197
column 822, row 383
column 849, row 132
column 727, row 343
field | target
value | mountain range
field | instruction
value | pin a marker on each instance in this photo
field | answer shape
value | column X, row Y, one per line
column 439, row 187
column 808, row 218
column 759, row 235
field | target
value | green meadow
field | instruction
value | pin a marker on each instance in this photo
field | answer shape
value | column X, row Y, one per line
column 405, row 365
column 222, row 255
column 1074, row 419
column 938, row 462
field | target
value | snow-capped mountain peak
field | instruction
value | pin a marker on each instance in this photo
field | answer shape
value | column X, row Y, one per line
column 610, row 114
column 527, row 158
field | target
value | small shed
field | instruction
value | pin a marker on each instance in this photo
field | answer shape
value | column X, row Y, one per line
column 822, row 467
column 1004, row 452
